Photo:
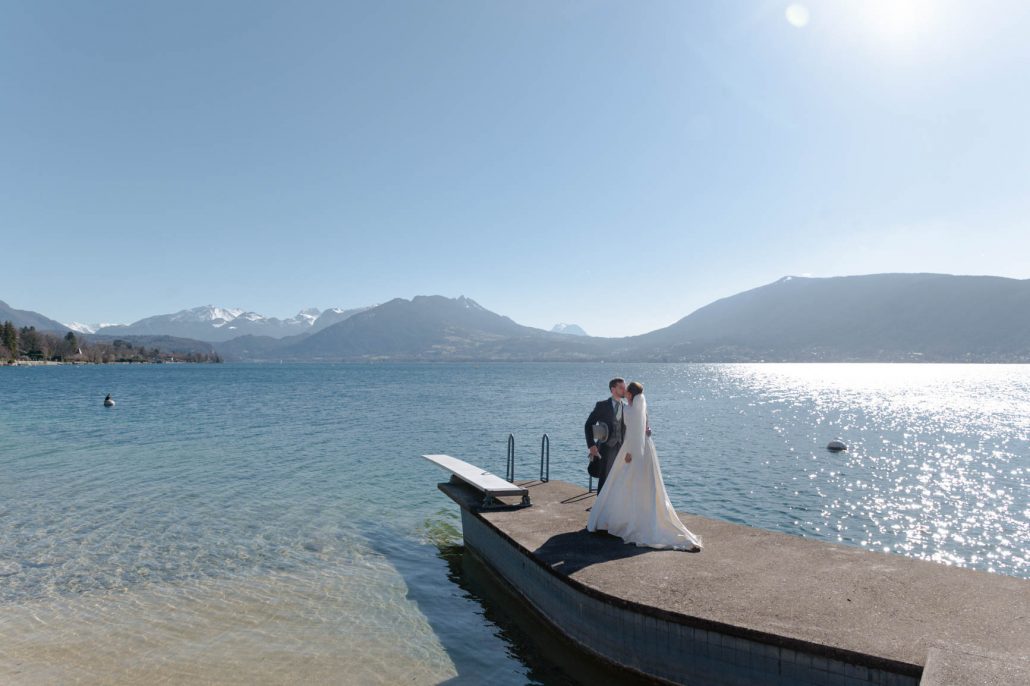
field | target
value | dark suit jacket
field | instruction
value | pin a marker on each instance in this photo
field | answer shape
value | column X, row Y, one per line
column 602, row 412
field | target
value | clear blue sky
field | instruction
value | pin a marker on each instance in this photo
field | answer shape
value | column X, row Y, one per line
column 612, row 164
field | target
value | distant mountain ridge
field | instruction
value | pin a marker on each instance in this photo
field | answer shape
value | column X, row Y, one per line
column 433, row 328
column 22, row 318
column 879, row 317
column 882, row 317
column 218, row 324
column 79, row 327
column 569, row 329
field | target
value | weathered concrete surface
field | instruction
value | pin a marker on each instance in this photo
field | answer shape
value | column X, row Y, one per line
column 776, row 587
column 951, row 665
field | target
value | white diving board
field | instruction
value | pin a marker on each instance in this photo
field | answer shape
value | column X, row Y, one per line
column 491, row 485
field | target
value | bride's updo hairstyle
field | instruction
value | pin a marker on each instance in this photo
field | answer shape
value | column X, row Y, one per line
column 635, row 388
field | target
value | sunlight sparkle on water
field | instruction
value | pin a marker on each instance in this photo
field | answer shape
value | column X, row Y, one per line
column 942, row 480
column 236, row 510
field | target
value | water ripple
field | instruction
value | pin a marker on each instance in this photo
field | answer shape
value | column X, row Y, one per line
column 238, row 490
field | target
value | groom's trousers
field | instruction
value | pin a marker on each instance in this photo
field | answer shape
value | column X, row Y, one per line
column 608, row 454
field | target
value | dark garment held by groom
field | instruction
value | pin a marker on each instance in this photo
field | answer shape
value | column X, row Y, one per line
column 605, row 412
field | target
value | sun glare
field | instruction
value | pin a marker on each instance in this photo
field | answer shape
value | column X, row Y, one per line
column 797, row 15
column 897, row 20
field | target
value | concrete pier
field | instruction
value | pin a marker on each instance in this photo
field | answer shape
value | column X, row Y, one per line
column 754, row 607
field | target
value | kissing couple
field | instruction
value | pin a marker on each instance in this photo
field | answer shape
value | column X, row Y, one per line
column 631, row 499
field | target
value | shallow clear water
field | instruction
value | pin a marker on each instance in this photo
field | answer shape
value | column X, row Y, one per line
column 248, row 524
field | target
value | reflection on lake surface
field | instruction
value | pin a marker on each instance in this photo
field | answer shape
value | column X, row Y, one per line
column 263, row 524
column 938, row 458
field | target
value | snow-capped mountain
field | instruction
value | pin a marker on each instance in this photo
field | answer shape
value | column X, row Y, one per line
column 79, row 327
column 570, row 329
column 423, row 328
column 218, row 324
column 310, row 315
column 334, row 315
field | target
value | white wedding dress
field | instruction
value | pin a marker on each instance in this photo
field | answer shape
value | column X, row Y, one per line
column 633, row 504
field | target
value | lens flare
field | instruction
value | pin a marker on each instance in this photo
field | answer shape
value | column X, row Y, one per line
column 797, row 15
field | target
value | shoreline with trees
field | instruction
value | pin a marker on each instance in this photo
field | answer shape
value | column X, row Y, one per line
column 27, row 346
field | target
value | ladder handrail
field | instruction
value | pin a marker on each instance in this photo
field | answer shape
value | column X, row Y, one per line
column 509, row 471
column 545, row 458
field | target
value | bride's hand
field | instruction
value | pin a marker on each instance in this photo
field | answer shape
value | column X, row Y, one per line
column 629, row 458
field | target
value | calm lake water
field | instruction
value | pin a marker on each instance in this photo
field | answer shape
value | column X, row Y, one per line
column 274, row 524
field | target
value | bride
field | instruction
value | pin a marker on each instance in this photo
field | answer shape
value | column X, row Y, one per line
column 633, row 504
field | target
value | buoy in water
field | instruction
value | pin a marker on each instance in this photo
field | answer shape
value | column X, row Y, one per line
column 836, row 446
column 108, row 401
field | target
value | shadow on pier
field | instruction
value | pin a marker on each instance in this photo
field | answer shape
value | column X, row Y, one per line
column 572, row 551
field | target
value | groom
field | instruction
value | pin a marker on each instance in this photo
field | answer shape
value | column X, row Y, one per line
column 609, row 412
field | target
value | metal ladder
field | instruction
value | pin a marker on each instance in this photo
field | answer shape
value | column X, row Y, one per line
column 545, row 459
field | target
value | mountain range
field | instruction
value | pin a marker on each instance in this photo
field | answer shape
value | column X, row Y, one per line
column 423, row 328
column 570, row 329
column 880, row 317
column 22, row 318
column 218, row 324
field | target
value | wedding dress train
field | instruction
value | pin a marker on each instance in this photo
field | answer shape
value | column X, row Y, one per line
column 633, row 504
